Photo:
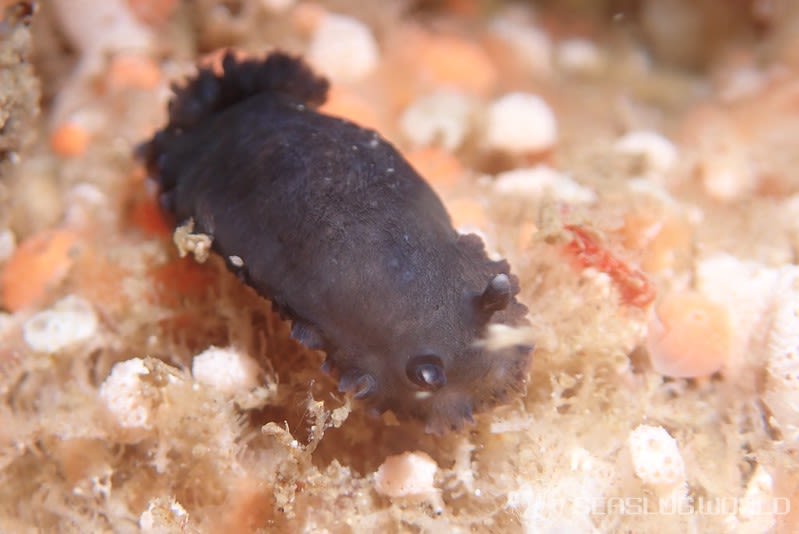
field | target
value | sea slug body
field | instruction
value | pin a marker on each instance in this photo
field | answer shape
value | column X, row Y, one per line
column 328, row 221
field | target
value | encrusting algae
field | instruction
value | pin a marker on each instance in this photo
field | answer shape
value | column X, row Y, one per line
column 633, row 161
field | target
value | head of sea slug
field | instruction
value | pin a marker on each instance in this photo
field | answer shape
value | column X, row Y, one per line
column 443, row 380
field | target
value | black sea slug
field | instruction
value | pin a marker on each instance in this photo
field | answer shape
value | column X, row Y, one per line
column 328, row 221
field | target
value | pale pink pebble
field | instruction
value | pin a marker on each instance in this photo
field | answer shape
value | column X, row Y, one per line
column 343, row 48
column 227, row 370
column 519, row 123
column 409, row 473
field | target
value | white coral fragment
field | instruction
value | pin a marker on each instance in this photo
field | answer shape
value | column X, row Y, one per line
column 438, row 118
column 658, row 153
column 746, row 289
column 402, row 475
column 728, row 177
column 163, row 516
column 70, row 321
column 521, row 122
column 531, row 44
column 97, row 27
column 343, row 48
column 782, row 364
column 501, row 336
column 187, row 242
column 726, row 166
column 124, row 394
column 227, row 370
column 541, row 181
column 277, row 6
column 8, row 244
column 758, row 496
column 656, row 458
column 580, row 57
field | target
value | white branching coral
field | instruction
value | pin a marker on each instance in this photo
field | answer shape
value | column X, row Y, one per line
column 764, row 307
column 564, row 503
column 656, row 458
column 142, row 394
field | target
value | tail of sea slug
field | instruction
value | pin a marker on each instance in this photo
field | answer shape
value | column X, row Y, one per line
column 209, row 93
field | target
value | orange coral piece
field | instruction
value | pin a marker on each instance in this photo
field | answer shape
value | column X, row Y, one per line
column 349, row 105
column 146, row 215
column 153, row 12
column 437, row 166
column 467, row 213
column 633, row 285
column 133, row 71
column 307, row 16
column 99, row 279
column 464, row 8
column 80, row 458
column 662, row 239
column 213, row 60
column 69, row 140
column 248, row 508
column 526, row 233
column 180, row 278
column 452, row 61
column 38, row 264
column 690, row 336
